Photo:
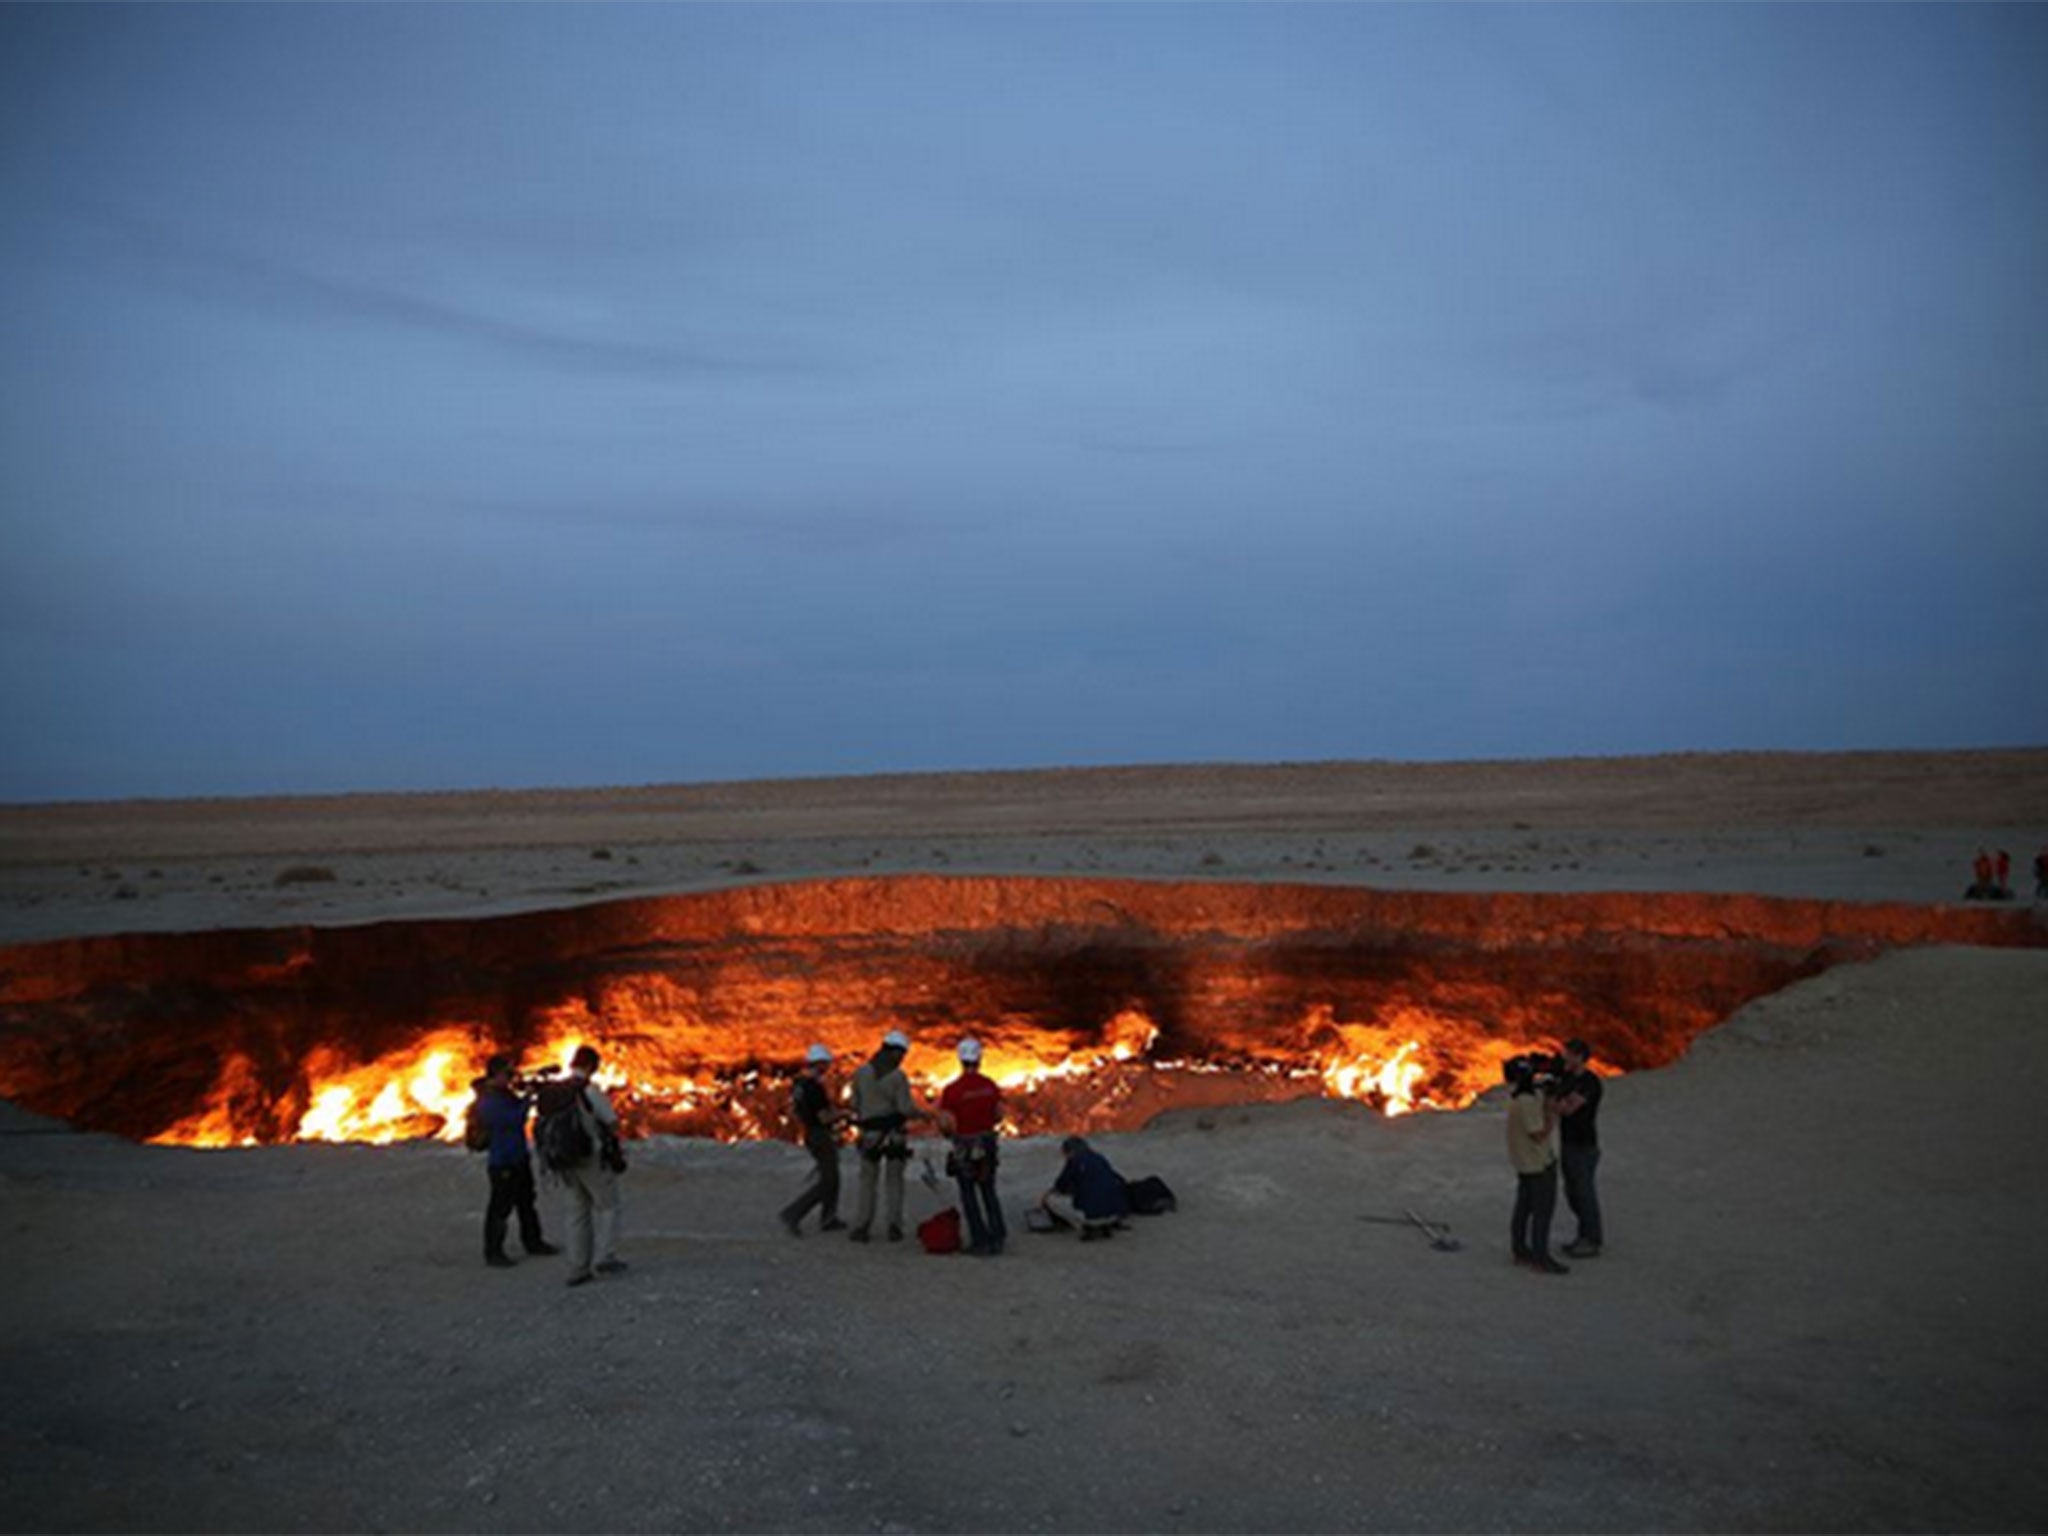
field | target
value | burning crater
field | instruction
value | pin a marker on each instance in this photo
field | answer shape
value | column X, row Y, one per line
column 1101, row 1002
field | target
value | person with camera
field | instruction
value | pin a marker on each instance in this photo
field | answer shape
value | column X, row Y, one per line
column 882, row 1111
column 501, row 1110
column 969, row 1110
column 818, row 1123
column 592, row 1183
column 1578, row 1136
column 1532, row 1152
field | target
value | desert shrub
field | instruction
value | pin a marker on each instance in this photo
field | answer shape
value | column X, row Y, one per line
column 304, row 874
column 600, row 853
column 1422, row 851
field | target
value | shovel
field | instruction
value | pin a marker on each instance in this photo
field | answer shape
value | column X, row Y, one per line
column 1439, row 1237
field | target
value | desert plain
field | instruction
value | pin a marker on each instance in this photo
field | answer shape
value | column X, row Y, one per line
column 1819, row 1306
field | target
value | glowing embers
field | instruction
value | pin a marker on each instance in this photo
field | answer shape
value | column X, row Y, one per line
column 1053, row 1082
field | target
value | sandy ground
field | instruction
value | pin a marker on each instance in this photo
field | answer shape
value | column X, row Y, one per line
column 1818, row 1309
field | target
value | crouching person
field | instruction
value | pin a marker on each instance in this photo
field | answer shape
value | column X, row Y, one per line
column 1089, row 1194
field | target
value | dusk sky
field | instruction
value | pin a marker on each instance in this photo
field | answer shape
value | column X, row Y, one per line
column 444, row 396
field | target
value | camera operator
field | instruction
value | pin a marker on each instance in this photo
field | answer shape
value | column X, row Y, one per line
column 1532, row 1152
column 1578, row 1134
column 502, row 1109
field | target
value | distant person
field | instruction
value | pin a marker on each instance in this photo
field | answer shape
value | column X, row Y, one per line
column 818, row 1121
column 590, row 1181
column 1532, row 1152
column 882, row 1112
column 1578, row 1147
column 1089, row 1195
column 502, row 1112
column 2041, row 875
column 1981, row 871
column 969, row 1111
column 2004, row 875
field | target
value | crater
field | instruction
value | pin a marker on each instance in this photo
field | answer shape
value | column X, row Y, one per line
column 1100, row 1002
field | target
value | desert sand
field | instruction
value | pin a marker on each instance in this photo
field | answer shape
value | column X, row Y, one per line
column 1816, row 1310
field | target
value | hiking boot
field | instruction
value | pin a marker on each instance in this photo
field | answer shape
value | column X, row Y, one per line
column 611, row 1266
column 581, row 1277
column 790, row 1225
column 831, row 1224
column 542, row 1250
column 499, row 1261
column 895, row 1234
column 858, row 1234
column 1549, row 1266
column 1579, row 1248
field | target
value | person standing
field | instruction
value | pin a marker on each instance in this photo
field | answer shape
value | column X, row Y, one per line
column 1578, row 1147
column 882, row 1111
column 510, row 1166
column 969, row 1111
column 592, row 1183
column 1532, row 1152
column 2003, row 889
column 818, row 1123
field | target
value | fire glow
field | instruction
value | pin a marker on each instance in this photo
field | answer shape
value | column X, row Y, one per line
column 1100, row 1004
column 420, row 1091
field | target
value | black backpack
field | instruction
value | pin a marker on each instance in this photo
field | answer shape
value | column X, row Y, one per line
column 559, row 1133
column 475, row 1134
column 1150, row 1196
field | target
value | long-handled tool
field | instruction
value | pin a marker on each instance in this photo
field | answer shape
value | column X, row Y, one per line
column 1439, row 1236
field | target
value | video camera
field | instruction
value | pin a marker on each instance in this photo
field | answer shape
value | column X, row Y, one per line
column 526, row 1084
column 1534, row 1069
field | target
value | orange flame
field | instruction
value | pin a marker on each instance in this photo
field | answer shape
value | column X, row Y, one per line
column 1407, row 1061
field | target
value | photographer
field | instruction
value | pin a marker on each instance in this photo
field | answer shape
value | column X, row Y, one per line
column 1532, row 1152
column 1578, row 1135
column 502, row 1111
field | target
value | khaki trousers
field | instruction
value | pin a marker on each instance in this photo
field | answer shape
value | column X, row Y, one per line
column 592, row 1192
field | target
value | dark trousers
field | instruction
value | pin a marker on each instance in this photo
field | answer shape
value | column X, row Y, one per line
column 823, row 1189
column 511, row 1190
column 985, row 1228
column 1580, row 1164
column 1535, row 1203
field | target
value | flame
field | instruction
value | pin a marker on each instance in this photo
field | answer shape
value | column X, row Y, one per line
column 678, row 1079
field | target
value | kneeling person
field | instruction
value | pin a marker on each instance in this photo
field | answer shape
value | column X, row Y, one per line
column 1089, row 1194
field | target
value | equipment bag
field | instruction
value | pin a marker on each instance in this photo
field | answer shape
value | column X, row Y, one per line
column 1150, row 1196
column 941, row 1233
column 475, row 1134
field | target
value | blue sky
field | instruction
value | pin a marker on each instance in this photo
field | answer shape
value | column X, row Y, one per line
column 442, row 396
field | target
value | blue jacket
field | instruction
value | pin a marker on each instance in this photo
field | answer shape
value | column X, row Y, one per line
column 505, row 1115
column 1094, row 1186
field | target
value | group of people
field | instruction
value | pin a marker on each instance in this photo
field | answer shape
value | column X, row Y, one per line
column 1553, row 1124
column 1552, row 1127
column 1088, row 1196
column 590, row 1183
column 1991, row 876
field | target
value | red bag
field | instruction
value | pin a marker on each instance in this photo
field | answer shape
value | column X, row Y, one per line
column 941, row 1233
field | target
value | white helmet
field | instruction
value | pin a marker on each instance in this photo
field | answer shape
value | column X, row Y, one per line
column 817, row 1053
column 970, row 1050
column 898, row 1039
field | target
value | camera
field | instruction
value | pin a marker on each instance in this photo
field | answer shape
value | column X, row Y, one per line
column 1534, row 1069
